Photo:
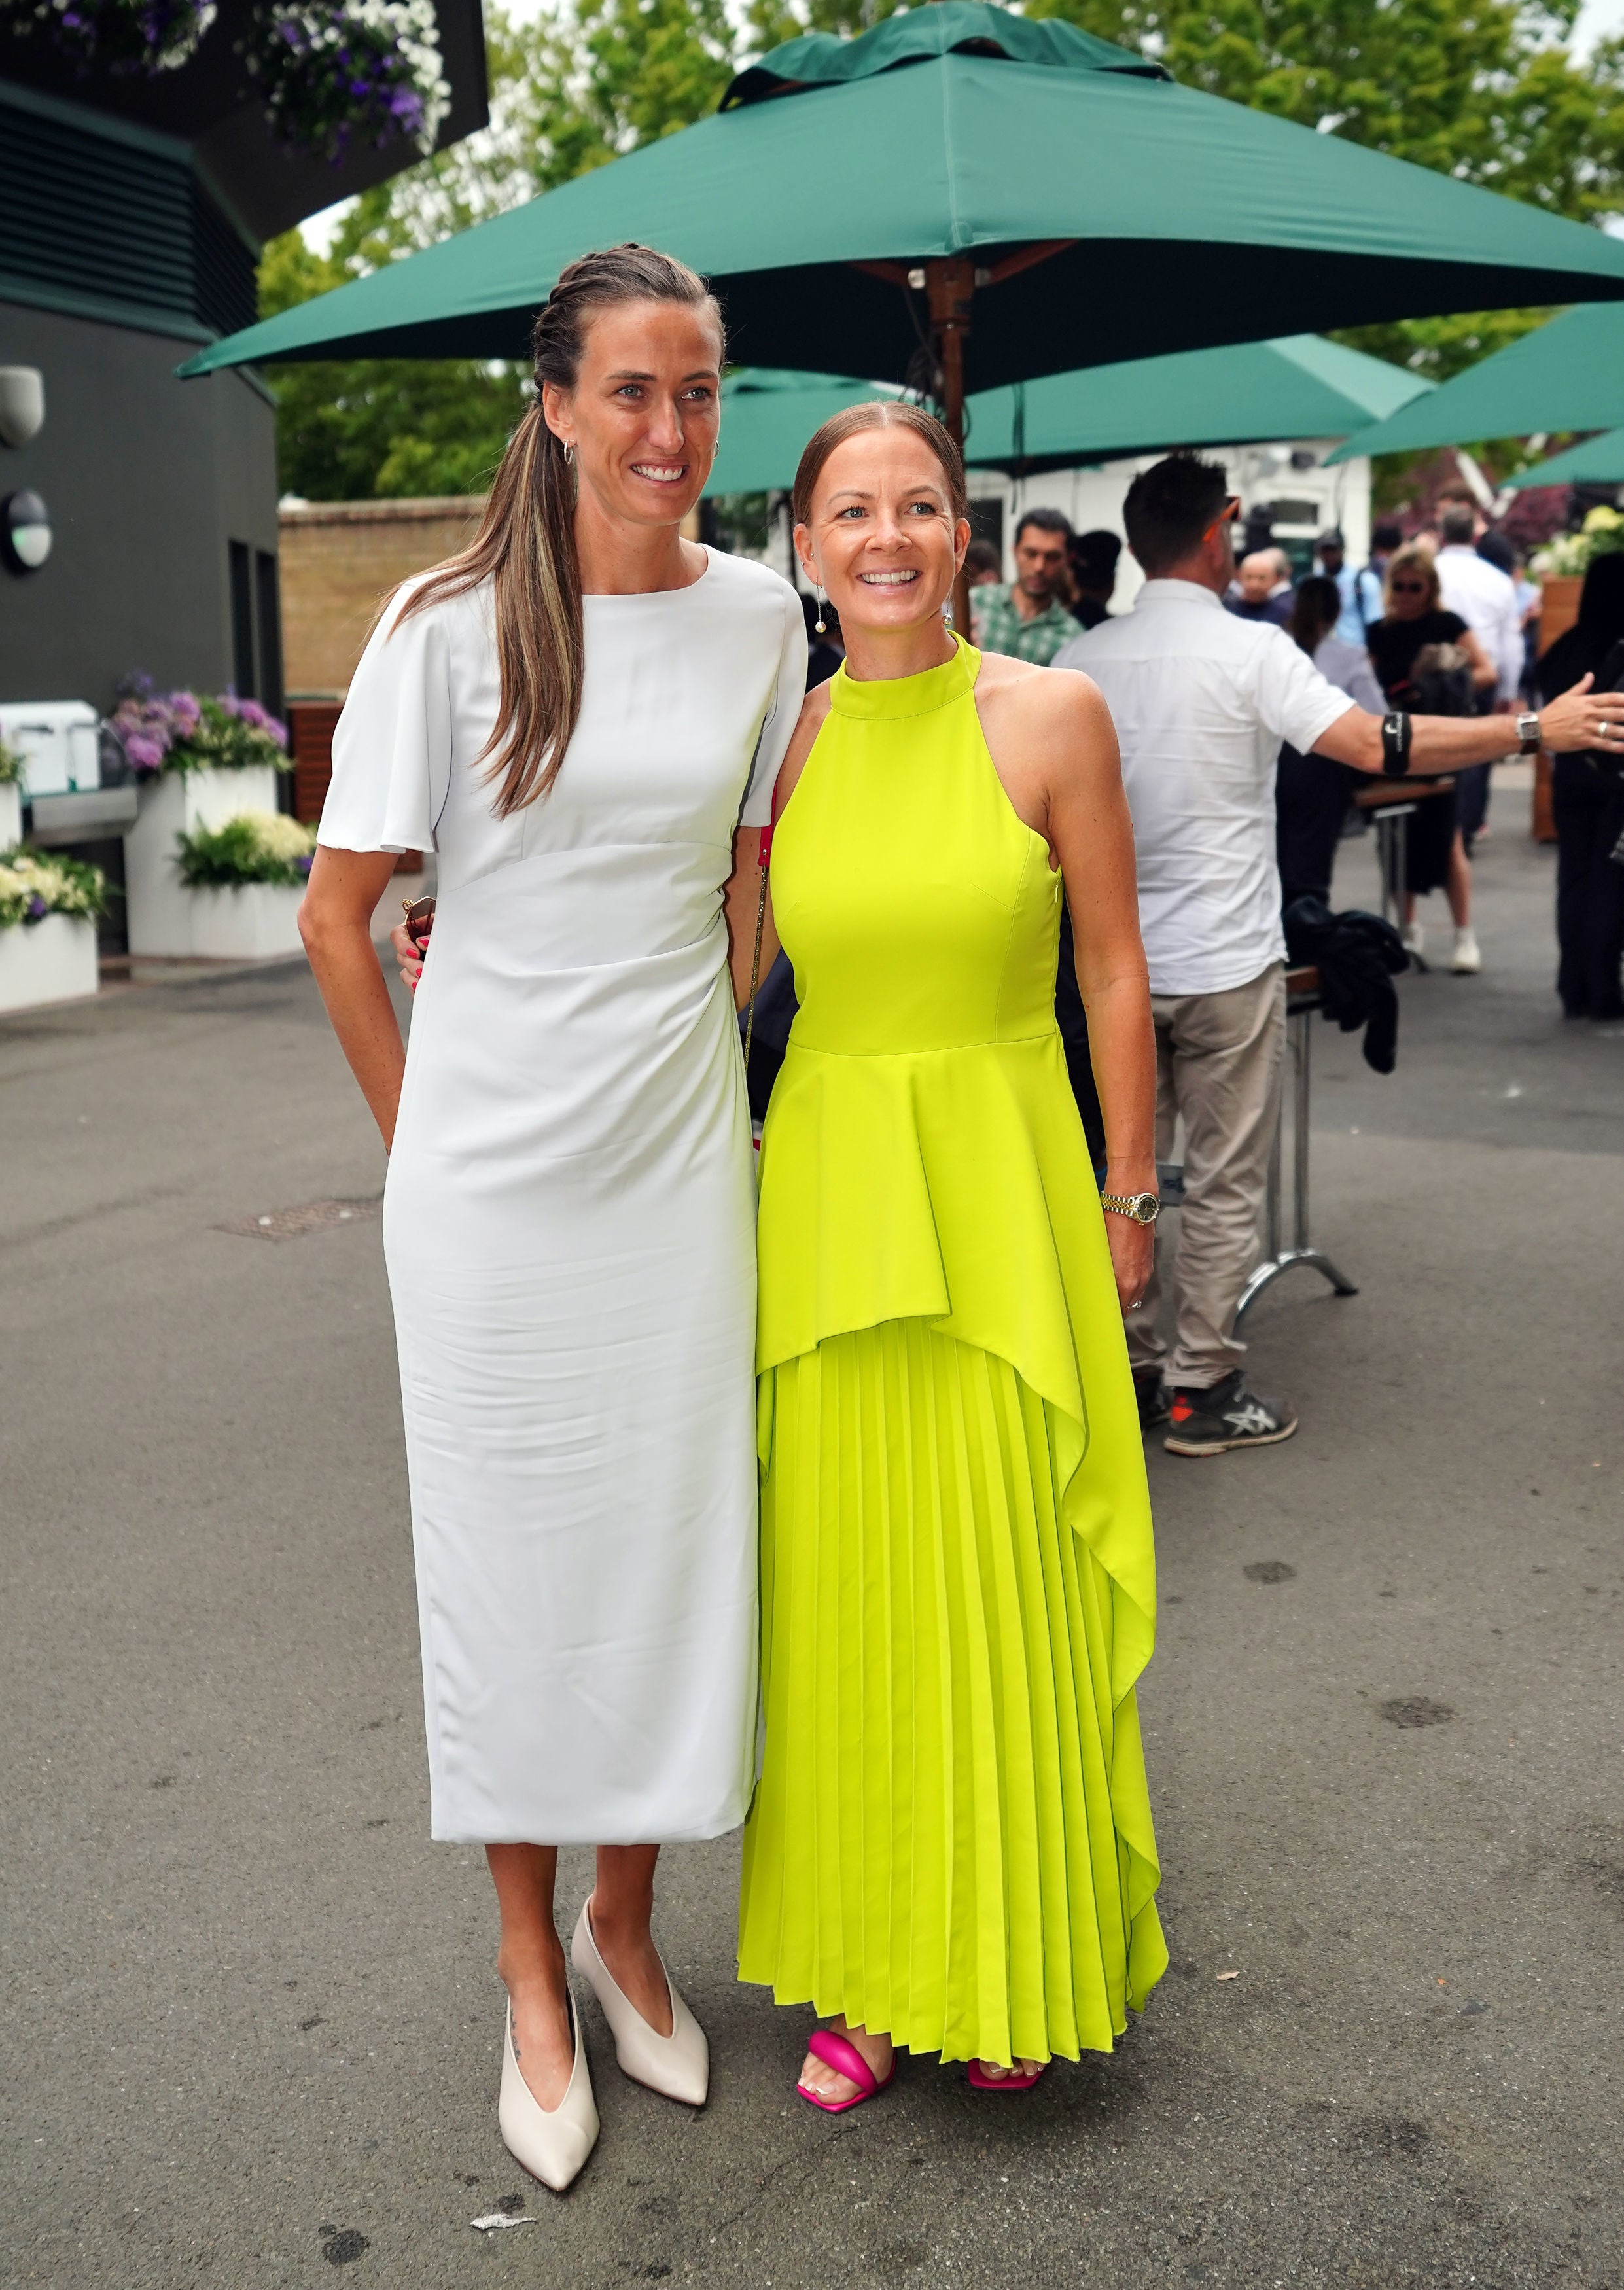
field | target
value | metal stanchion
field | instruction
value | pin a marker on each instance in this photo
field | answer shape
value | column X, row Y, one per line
column 1280, row 1260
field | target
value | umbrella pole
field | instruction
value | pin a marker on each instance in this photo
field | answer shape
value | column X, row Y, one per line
column 950, row 284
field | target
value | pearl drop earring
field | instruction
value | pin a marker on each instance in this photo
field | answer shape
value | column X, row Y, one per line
column 818, row 624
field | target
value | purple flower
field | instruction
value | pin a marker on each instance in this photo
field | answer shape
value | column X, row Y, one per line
column 37, row 908
column 144, row 753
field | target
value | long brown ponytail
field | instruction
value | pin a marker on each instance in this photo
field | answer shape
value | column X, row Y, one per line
column 525, row 546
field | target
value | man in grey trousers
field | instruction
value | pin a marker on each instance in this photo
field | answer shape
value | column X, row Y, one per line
column 1202, row 700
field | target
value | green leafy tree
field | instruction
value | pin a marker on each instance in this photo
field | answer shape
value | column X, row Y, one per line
column 373, row 427
column 1486, row 90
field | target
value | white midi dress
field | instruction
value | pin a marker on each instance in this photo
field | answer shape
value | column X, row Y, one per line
column 569, row 1219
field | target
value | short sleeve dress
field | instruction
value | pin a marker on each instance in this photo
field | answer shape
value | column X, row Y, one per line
column 568, row 1214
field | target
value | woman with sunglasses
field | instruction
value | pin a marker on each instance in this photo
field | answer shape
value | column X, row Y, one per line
column 1413, row 623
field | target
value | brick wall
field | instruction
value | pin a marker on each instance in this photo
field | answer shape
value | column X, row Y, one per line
column 340, row 560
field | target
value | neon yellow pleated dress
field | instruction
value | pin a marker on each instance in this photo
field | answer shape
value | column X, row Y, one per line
column 950, row 1840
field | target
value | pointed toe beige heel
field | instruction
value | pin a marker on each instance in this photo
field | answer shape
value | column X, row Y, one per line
column 552, row 2142
column 678, row 2065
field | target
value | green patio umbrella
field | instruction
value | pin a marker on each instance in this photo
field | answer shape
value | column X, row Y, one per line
column 975, row 198
column 1300, row 385
column 768, row 415
column 1566, row 375
column 1598, row 461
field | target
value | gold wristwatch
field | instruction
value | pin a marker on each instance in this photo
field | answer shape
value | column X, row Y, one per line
column 1144, row 1208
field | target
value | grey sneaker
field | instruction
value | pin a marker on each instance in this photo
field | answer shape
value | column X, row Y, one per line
column 1226, row 1415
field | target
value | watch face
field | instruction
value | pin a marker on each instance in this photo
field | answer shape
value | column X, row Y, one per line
column 1145, row 1205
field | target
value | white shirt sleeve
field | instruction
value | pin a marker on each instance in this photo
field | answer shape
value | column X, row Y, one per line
column 783, row 713
column 1290, row 695
column 1511, row 648
column 392, row 746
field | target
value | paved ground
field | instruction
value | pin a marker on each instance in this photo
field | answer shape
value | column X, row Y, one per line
column 252, row 2028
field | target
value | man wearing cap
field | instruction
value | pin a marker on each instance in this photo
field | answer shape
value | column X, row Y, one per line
column 1332, row 562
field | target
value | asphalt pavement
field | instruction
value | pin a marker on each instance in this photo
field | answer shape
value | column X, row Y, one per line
column 252, row 2028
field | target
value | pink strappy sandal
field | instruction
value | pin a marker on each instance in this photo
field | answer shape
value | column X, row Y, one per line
column 835, row 2051
column 980, row 2080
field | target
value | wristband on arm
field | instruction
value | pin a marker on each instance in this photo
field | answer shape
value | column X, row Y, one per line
column 1396, row 729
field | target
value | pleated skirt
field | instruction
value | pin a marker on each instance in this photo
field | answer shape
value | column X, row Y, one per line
column 934, row 1849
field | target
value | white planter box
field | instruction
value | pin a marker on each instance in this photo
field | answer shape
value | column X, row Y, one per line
column 10, row 816
column 53, row 960
column 247, row 922
column 162, row 912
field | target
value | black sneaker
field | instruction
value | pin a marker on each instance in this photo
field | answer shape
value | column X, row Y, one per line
column 1150, row 1390
column 1226, row 1415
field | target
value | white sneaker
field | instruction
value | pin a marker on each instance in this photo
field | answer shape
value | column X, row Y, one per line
column 1414, row 937
column 1468, row 958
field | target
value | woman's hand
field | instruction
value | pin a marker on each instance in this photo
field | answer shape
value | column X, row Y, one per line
column 409, row 952
column 1132, row 1254
column 335, row 921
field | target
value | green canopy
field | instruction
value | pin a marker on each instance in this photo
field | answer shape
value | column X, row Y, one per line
column 1566, row 375
column 1300, row 385
column 768, row 415
column 1011, row 199
column 1598, row 461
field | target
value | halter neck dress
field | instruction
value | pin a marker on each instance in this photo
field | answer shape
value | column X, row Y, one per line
column 950, row 1839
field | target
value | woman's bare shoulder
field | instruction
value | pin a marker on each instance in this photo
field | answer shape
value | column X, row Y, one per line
column 1040, row 699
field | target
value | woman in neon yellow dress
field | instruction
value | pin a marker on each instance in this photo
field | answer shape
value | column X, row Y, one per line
column 950, row 1847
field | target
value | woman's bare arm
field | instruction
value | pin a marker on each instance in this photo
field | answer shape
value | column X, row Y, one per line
column 335, row 923
column 1054, row 747
column 741, row 892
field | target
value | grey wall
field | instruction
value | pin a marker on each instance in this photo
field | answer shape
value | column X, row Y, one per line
column 147, row 480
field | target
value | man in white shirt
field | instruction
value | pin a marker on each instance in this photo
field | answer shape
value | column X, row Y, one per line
column 1483, row 595
column 1202, row 700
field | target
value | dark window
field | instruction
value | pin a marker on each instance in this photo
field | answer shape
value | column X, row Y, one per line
column 270, row 630
column 244, row 682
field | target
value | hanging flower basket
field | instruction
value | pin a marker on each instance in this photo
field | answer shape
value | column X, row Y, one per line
column 124, row 35
column 329, row 72
column 367, row 72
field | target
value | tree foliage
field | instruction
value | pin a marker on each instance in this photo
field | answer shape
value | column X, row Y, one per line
column 1488, row 91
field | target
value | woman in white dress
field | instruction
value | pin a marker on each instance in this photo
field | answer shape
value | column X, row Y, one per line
column 583, row 716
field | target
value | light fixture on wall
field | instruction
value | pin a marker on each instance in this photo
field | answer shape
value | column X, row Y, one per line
column 27, row 528
column 22, row 404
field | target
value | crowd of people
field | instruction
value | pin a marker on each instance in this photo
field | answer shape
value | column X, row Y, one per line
column 812, row 1494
